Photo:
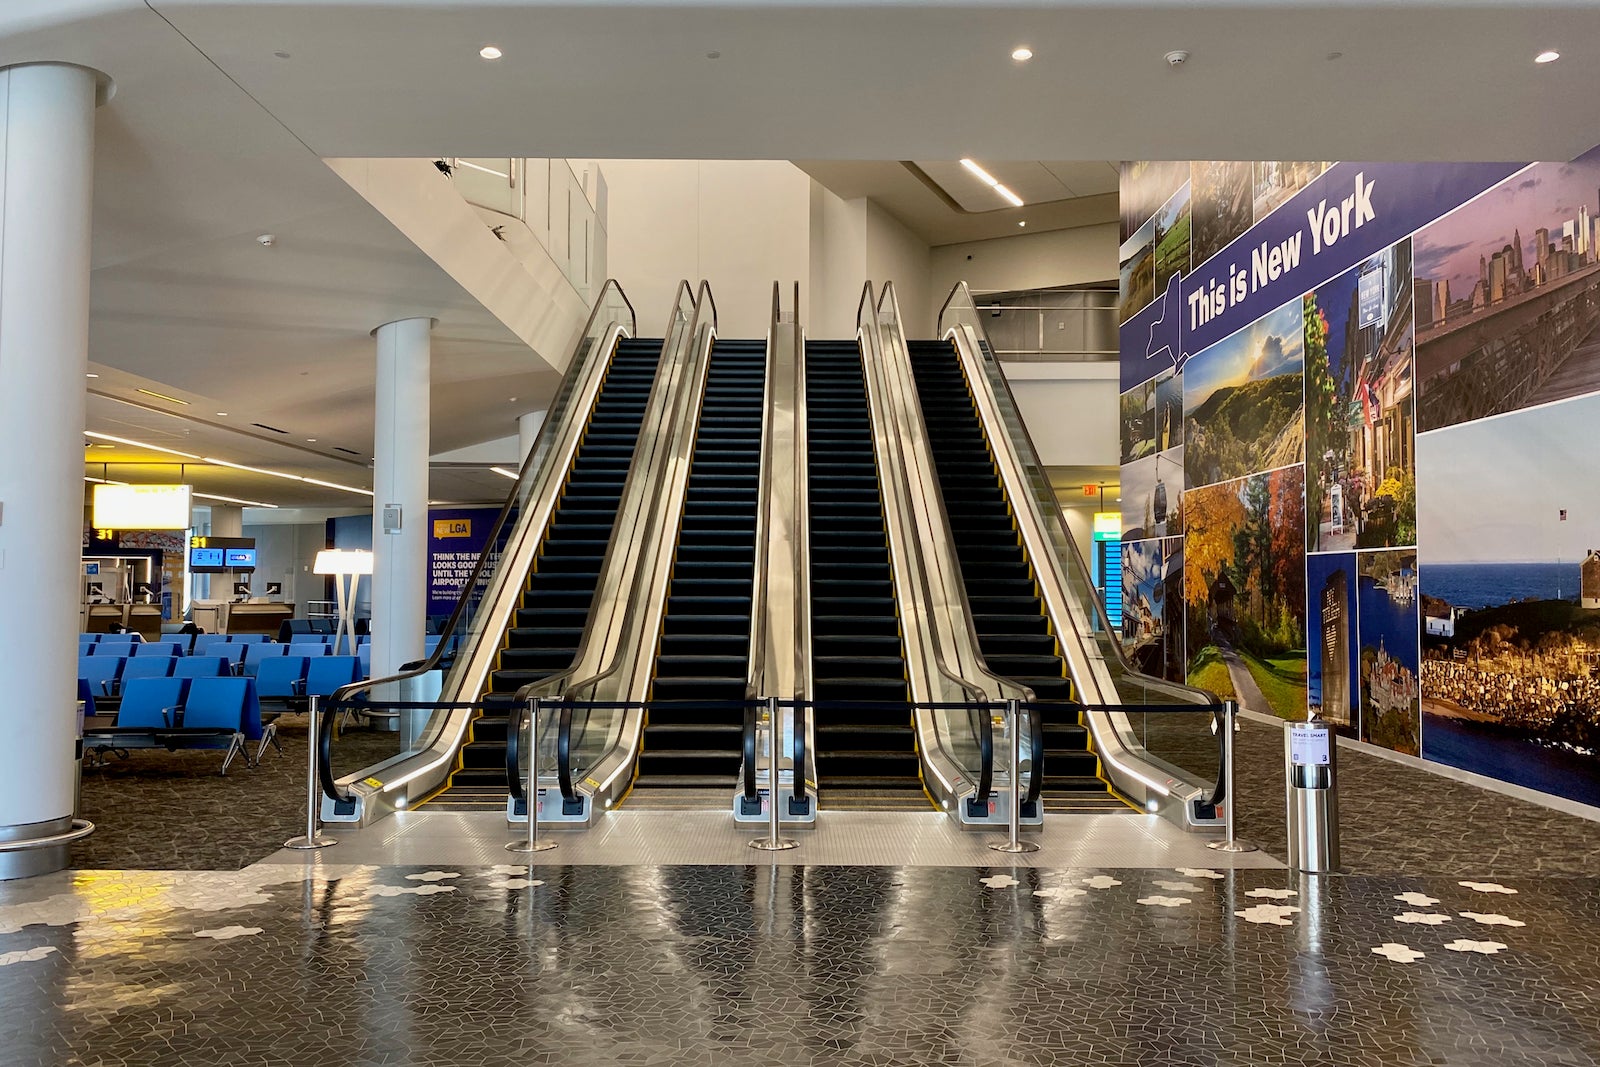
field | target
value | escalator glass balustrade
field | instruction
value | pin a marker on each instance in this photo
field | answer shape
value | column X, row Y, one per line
column 548, row 622
column 1014, row 629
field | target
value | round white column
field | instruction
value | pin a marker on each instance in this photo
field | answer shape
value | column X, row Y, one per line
column 528, row 427
column 400, row 479
column 46, row 179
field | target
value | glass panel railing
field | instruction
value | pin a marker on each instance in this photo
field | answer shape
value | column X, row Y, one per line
column 611, row 668
column 948, row 672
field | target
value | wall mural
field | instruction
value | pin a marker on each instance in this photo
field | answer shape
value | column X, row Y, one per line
column 1357, row 401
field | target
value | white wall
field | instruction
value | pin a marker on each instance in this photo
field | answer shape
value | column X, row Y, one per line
column 895, row 254
column 285, row 553
column 740, row 224
column 1070, row 410
column 1027, row 261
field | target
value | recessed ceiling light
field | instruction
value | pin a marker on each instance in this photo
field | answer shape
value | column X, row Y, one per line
column 222, row 414
column 1548, row 56
column 489, row 51
column 162, row 396
column 1022, row 53
column 311, row 440
column 1022, row 222
column 91, row 375
column 1011, row 198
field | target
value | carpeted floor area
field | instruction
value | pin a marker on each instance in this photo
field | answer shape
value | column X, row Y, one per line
column 159, row 810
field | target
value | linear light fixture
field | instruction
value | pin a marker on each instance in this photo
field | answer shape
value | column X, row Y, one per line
column 229, row 464
column 502, row 472
column 992, row 182
column 235, row 500
column 138, row 444
column 162, row 396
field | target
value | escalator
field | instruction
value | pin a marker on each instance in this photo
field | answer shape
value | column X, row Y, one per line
column 1014, row 630
column 548, row 622
column 704, row 650
column 857, row 653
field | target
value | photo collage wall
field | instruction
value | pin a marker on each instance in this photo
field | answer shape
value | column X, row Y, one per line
column 1358, row 480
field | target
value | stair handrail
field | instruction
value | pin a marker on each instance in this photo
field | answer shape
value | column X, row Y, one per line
column 553, row 450
column 653, row 496
column 1095, row 671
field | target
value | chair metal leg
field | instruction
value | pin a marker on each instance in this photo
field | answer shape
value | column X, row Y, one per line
column 235, row 746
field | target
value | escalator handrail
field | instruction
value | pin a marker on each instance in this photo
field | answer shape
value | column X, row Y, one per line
column 696, row 340
column 514, row 719
column 448, row 637
column 556, row 684
column 895, row 510
column 938, row 535
column 1011, row 460
column 1186, row 692
column 1036, row 747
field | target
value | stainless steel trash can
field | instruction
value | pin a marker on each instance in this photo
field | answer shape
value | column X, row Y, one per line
column 1312, row 796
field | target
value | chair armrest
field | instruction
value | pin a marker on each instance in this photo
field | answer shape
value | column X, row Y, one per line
column 300, row 687
column 168, row 714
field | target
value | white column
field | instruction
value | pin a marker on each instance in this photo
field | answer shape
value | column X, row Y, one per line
column 400, row 480
column 528, row 427
column 46, row 172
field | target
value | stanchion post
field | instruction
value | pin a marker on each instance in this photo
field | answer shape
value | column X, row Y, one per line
column 773, row 843
column 532, row 844
column 1014, row 842
column 312, row 839
column 1229, row 843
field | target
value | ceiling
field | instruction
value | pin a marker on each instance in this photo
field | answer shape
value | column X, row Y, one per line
column 213, row 138
column 937, row 210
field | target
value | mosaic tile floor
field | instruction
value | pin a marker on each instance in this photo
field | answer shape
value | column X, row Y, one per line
column 789, row 965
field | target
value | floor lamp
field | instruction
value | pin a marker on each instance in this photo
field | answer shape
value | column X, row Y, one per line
column 346, row 566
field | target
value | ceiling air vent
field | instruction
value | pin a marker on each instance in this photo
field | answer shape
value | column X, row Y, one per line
column 274, row 429
column 346, row 451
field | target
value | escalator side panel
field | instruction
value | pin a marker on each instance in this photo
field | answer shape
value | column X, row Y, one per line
column 548, row 622
column 1014, row 630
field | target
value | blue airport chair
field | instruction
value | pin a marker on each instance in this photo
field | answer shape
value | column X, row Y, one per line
column 209, row 644
column 252, row 656
column 101, row 672
column 247, row 639
column 149, row 706
column 146, row 667
column 200, row 667
column 282, row 678
column 158, row 648
column 325, row 675
column 309, row 648
column 213, row 717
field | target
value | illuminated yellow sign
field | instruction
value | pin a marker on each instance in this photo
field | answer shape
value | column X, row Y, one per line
column 452, row 528
column 141, row 507
column 1107, row 525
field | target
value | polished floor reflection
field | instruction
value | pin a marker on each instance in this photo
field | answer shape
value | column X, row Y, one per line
column 330, row 963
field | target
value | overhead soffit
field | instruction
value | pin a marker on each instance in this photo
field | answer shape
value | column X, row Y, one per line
column 212, row 139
